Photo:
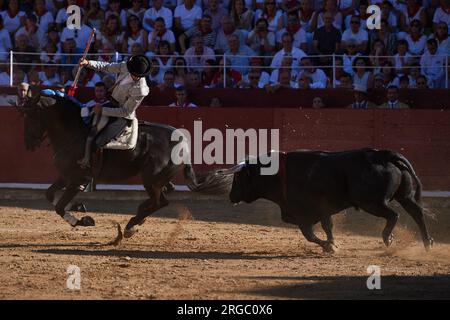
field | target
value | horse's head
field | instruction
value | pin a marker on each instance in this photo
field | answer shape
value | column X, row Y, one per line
column 34, row 128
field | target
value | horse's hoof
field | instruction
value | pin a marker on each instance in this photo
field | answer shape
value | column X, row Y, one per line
column 128, row 233
column 330, row 248
column 86, row 221
column 428, row 243
column 388, row 240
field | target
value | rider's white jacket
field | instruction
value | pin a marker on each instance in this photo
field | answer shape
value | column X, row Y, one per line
column 127, row 92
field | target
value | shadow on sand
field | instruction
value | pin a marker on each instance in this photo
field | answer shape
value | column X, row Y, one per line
column 354, row 287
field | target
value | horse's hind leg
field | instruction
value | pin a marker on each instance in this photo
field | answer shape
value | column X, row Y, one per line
column 157, row 201
column 416, row 212
column 64, row 202
column 58, row 185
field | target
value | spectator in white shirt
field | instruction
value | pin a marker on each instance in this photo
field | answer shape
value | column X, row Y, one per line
column 197, row 54
column 5, row 42
column 13, row 18
column 433, row 65
column 134, row 33
column 137, row 9
column 81, row 36
column 273, row 16
column 32, row 31
column 44, row 17
column 182, row 99
column 114, row 9
column 62, row 15
column 294, row 27
column 160, row 33
column 442, row 14
column 416, row 39
column 260, row 39
column 286, row 65
column 239, row 54
column 49, row 76
column 156, row 11
column 318, row 77
column 403, row 57
column 288, row 48
column 228, row 28
column 216, row 11
column 441, row 36
column 357, row 34
column 186, row 16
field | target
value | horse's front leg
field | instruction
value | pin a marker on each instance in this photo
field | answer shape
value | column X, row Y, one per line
column 64, row 204
column 58, row 185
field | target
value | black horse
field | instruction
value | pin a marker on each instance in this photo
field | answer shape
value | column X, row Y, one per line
column 59, row 118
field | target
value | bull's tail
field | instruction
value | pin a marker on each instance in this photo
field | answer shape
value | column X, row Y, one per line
column 212, row 182
column 402, row 163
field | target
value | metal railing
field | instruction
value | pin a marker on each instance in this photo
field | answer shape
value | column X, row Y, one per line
column 117, row 57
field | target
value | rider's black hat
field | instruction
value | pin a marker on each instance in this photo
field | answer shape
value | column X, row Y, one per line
column 139, row 65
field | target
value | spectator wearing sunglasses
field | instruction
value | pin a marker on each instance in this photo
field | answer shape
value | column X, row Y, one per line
column 416, row 39
column 357, row 34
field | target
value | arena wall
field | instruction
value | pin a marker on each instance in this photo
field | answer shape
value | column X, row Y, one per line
column 421, row 135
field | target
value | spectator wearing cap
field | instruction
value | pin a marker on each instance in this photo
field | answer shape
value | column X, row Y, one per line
column 360, row 98
column 157, row 11
column 197, row 54
column 137, row 9
column 392, row 100
column 186, row 16
column 13, row 18
column 433, row 65
column 44, row 17
column 357, row 34
column 416, row 39
column 362, row 75
column 110, row 34
column 31, row 29
column 261, row 40
column 62, row 16
column 327, row 39
column 288, row 49
column 216, row 11
column 227, row 28
column 115, row 9
column 5, row 42
column 239, row 54
column 241, row 15
column 204, row 30
column 182, row 99
column 318, row 77
column 442, row 14
column 81, row 36
column 134, row 33
column 95, row 16
column 295, row 29
column 389, row 39
column 273, row 16
column 160, row 33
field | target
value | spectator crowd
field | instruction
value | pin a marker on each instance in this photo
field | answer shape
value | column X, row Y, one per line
column 232, row 43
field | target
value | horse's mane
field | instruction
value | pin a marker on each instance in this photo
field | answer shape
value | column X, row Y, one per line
column 69, row 107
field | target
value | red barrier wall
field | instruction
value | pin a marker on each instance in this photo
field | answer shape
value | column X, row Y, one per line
column 423, row 136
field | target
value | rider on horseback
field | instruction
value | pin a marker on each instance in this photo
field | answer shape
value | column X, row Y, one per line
column 127, row 94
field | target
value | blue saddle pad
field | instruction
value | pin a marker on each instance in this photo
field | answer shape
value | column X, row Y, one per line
column 59, row 94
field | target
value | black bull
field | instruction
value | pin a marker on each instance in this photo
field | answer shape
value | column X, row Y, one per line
column 311, row 186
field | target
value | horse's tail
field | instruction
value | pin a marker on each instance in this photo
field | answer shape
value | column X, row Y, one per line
column 403, row 164
column 211, row 182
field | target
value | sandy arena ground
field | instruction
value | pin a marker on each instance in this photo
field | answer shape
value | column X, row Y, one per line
column 203, row 248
